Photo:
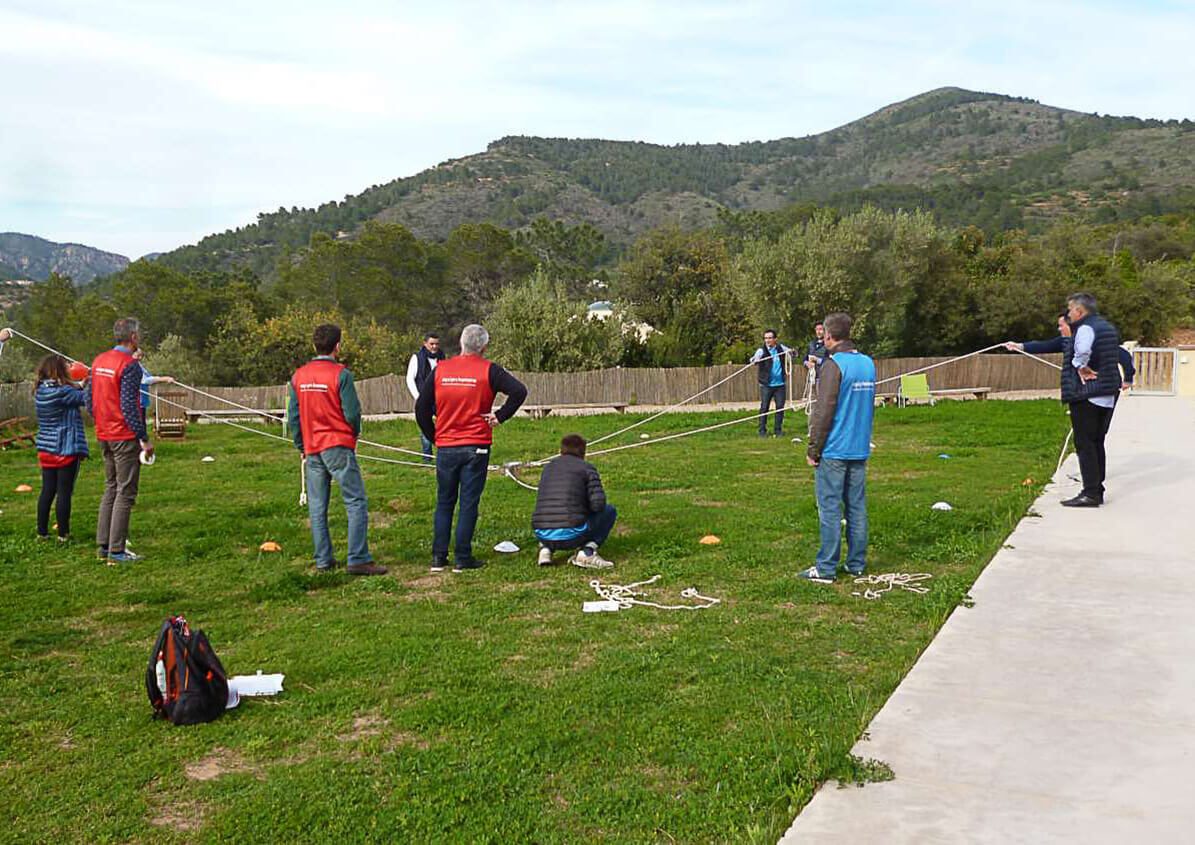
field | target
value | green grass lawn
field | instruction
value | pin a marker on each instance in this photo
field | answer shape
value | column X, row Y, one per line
column 485, row 706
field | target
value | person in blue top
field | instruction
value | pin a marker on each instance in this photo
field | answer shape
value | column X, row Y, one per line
column 1091, row 382
column 770, row 359
column 147, row 381
column 839, row 446
column 61, row 442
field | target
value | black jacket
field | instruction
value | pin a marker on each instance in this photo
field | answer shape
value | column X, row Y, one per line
column 570, row 491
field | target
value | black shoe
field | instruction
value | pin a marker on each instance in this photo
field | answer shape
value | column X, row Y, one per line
column 466, row 565
column 328, row 567
column 439, row 564
column 1081, row 501
column 365, row 569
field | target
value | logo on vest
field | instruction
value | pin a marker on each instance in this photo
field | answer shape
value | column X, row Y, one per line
column 313, row 388
column 103, row 371
column 458, row 381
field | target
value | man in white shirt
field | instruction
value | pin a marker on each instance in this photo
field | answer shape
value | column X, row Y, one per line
column 419, row 370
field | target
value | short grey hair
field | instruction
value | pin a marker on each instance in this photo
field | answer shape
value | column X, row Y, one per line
column 124, row 329
column 474, row 339
column 1084, row 300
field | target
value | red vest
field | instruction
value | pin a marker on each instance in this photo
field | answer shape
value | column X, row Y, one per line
column 106, row 371
column 463, row 394
column 321, row 419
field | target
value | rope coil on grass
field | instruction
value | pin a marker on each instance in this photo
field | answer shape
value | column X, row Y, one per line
column 909, row 581
column 626, row 596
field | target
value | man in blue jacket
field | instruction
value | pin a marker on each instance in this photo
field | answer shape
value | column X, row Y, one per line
column 1091, row 383
column 769, row 360
column 839, row 446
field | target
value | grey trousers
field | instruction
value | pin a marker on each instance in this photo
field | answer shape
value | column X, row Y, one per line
column 122, row 471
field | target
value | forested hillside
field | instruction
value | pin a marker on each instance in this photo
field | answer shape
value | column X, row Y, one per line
column 29, row 257
column 969, row 158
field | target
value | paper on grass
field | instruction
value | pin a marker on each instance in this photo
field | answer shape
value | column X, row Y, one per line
column 252, row 685
column 599, row 606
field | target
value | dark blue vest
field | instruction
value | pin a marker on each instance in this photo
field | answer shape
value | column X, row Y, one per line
column 1105, row 359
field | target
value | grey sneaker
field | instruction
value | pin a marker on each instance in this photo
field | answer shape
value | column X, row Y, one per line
column 811, row 574
column 592, row 560
column 123, row 557
column 545, row 556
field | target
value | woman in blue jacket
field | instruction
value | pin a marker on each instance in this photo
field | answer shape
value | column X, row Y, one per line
column 61, row 441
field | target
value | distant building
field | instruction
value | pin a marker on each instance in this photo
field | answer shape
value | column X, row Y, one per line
column 603, row 310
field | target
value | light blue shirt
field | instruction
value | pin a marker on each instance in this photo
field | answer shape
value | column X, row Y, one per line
column 1084, row 340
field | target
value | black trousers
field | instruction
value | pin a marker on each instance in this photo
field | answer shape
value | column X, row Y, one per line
column 767, row 395
column 57, row 484
column 1090, row 424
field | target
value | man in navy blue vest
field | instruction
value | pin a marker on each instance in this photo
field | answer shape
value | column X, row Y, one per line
column 769, row 360
column 839, row 446
column 1091, row 382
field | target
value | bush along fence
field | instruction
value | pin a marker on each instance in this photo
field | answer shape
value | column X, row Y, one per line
column 388, row 394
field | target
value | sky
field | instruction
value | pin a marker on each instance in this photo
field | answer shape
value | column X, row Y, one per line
column 138, row 127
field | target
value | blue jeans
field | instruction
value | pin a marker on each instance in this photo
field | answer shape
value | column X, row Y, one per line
column 766, row 396
column 425, row 446
column 840, row 483
column 460, row 473
column 599, row 527
column 338, row 463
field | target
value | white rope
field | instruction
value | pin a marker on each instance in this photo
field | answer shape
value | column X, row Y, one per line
column 302, row 480
column 509, row 470
column 910, row 581
column 670, row 408
column 929, row 367
column 627, row 596
column 1035, row 358
column 1062, row 455
column 807, row 398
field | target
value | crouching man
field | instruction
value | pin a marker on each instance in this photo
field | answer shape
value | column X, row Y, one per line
column 571, row 511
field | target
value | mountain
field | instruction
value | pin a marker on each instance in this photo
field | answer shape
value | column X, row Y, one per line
column 29, row 257
column 991, row 160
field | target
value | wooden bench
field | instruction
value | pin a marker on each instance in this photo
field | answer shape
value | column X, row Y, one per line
column 10, row 431
column 538, row 412
column 978, row 392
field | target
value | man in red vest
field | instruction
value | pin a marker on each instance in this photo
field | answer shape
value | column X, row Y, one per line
column 114, row 398
column 325, row 416
column 460, row 398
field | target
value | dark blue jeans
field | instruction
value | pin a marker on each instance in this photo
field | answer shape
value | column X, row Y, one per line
column 600, row 526
column 838, row 484
column 460, row 474
column 427, row 448
column 766, row 396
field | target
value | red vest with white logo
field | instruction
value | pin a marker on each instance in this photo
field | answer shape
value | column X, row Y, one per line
column 106, row 371
column 321, row 419
column 463, row 394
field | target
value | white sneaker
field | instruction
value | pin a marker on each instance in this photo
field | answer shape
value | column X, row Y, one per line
column 545, row 556
column 590, row 561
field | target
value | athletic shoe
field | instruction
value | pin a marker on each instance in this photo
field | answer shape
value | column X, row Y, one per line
column 811, row 574
column 545, row 556
column 466, row 565
column 439, row 564
column 327, row 567
column 590, row 561
column 101, row 552
column 365, row 569
column 123, row 557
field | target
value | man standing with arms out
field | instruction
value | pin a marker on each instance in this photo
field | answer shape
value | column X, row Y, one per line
column 839, row 446
column 571, row 511
column 1090, row 384
column 114, row 402
column 769, row 359
column 324, row 414
column 419, row 369
column 460, row 398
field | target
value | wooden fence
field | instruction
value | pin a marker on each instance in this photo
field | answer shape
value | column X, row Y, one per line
column 388, row 394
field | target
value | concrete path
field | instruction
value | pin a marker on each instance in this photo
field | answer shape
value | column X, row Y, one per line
column 1061, row 707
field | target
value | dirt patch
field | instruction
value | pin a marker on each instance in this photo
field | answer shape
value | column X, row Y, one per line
column 426, row 588
column 364, row 727
column 403, row 739
column 183, row 816
column 709, row 503
column 380, row 519
column 220, row 762
column 400, row 505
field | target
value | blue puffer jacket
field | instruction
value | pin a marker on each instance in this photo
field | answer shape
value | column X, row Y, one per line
column 59, row 420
